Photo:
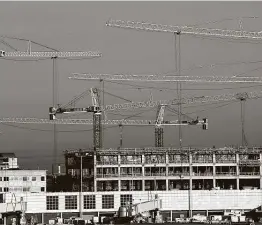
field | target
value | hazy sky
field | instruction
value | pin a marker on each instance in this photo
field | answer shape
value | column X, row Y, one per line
column 26, row 87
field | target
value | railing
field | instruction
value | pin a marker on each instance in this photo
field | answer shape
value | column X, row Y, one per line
column 178, row 174
column 226, row 173
column 249, row 173
column 202, row 174
column 130, row 162
column 249, row 161
column 155, row 162
column 131, row 175
column 106, row 162
column 225, row 160
column 178, row 161
column 202, row 161
column 107, row 175
column 155, row 174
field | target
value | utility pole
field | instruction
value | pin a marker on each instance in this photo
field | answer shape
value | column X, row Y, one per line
column 179, row 83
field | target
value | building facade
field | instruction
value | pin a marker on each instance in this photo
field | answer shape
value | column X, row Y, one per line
column 205, row 181
column 174, row 202
column 165, row 169
column 8, row 161
column 15, row 181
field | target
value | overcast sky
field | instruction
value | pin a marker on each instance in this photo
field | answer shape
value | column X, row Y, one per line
column 26, row 87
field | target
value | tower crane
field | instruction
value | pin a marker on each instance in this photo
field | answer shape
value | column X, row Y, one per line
column 162, row 103
column 54, row 55
column 96, row 122
column 186, row 30
column 95, row 109
column 158, row 78
column 186, row 101
column 193, row 31
column 242, row 96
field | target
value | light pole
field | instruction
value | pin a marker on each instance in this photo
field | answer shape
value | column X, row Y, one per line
column 81, row 154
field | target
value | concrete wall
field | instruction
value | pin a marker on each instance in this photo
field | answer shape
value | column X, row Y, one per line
column 171, row 200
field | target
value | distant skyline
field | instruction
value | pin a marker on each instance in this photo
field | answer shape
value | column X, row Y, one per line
column 26, row 87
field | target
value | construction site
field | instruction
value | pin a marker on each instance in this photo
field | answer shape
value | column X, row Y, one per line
column 175, row 180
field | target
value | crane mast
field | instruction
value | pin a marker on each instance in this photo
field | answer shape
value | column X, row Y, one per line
column 159, row 130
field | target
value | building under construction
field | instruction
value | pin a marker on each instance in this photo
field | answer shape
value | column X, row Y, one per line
column 154, row 169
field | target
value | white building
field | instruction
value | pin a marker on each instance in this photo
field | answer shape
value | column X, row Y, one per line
column 33, row 181
column 8, row 161
column 174, row 202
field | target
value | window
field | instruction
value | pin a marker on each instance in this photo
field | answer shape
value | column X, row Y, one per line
column 108, row 201
column 42, row 188
column 24, row 178
column 126, row 200
column 0, row 178
column 33, row 178
column 52, row 202
column 26, row 189
column 71, row 202
column 89, row 201
column 1, row 198
column 42, row 178
column 6, row 178
column 6, row 189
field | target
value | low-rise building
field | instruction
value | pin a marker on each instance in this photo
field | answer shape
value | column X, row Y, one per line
column 23, row 181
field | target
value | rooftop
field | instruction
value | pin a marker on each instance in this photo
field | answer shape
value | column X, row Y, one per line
column 7, row 155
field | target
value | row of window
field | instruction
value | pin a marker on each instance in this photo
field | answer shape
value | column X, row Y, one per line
column 21, row 178
column 18, row 189
column 52, row 202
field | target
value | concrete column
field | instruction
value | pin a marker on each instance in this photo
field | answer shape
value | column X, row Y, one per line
column 43, row 218
column 119, row 172
column 167, row 163
column 237, row 169
column 119, row 185
column 214, row 170
column 143, row 172
column 207, row 213
column 171, row 216
column 95, row 184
